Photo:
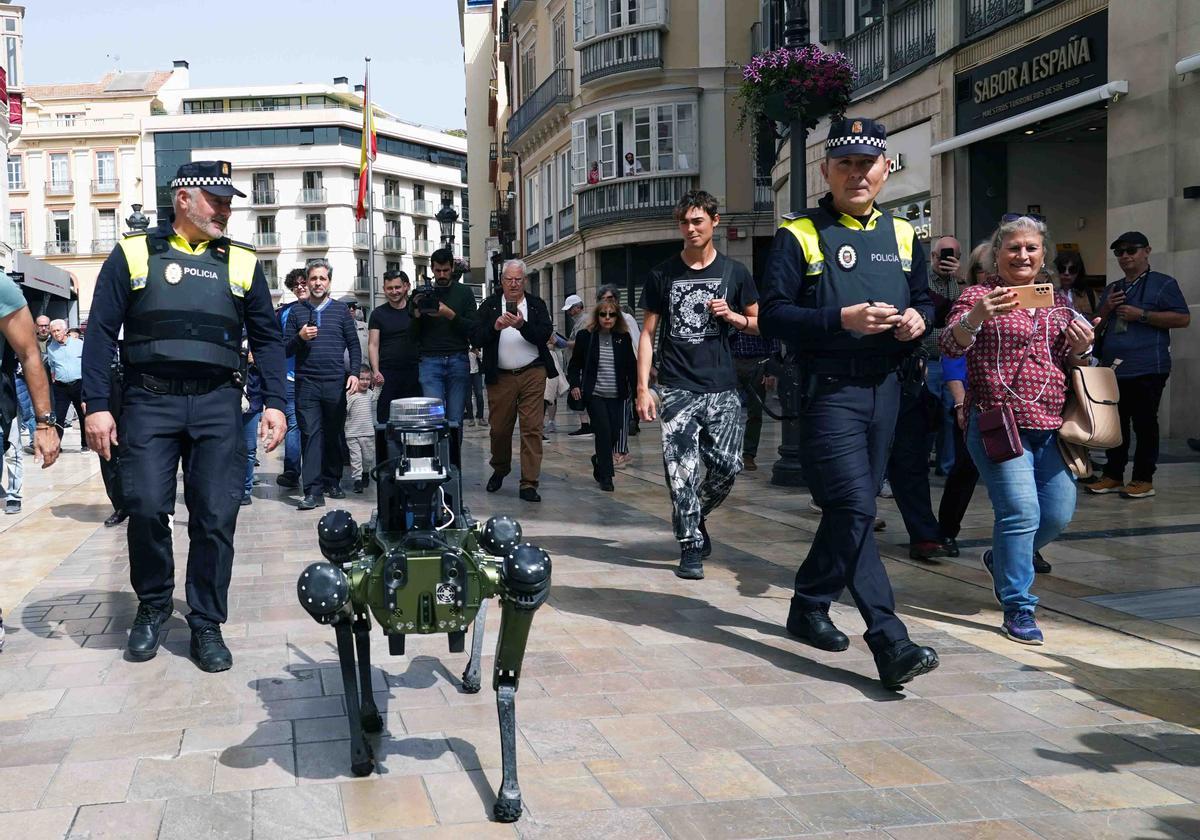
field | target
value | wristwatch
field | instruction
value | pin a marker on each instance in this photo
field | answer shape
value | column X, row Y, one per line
column 1144, row 318
column 48, row 419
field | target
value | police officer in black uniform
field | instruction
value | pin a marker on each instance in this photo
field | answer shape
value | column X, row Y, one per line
column 183, row 293
column 845, row 289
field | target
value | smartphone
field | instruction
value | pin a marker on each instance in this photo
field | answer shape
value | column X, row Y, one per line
column 946, row 254
column 1034, row 296
column 510, row 307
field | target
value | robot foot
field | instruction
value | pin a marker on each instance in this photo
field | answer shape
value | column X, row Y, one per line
column 507, row 810
column 363, row 768
column 470, row 684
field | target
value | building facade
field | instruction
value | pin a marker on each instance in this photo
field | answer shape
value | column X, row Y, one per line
column 1082, row 111
column 12, row 18
column 619, row 107
column 295, row 151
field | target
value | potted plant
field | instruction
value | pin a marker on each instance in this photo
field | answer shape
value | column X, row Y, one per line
column 786, row 85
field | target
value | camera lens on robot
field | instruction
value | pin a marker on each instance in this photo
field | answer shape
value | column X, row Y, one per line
column 501, row 534
column 337, row 535
column 323, row 590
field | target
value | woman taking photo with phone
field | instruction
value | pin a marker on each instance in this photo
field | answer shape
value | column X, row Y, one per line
column 603, row 373
column 1017, row 361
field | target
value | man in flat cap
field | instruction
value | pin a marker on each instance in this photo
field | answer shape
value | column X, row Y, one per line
column 183, row 292
column 845, row 289
column 1138, row 311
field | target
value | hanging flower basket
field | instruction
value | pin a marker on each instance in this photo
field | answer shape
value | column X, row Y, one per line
column 786, row 85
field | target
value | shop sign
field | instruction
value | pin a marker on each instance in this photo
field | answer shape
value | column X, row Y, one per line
column 1065, row 62
column 908, row 163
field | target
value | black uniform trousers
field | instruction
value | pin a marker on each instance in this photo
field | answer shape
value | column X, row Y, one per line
column 157, row 432
column 398, row 383
column 848, row 430
column 908, row 466
column 321, row 415
column 110, row 469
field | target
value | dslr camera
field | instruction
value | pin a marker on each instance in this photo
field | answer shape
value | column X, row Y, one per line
column 425, row 298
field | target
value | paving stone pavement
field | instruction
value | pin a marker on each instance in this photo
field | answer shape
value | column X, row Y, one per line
column 649, row 706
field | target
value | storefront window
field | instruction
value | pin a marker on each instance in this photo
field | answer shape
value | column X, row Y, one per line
column 916, row 210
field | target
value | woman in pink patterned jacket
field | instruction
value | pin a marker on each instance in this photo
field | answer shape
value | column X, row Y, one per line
column 1019, row 358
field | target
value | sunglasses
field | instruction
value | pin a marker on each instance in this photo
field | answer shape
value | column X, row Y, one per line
column 1128, row 251
column 1012, row 217
column 608, row 314
column 1070, row 269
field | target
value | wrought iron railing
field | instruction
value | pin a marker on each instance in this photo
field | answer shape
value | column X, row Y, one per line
column 105, row 186
column 764, row 196
column 103, row 245
column 60, row 187
column 556, row 90
column 60, row 246
column 865, row 50
column 613, row 201
column 982, row 15
column 912, row 34
column 620, row 52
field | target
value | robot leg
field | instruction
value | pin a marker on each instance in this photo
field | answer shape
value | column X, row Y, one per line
column 371, row 721
column 525, row 586
column 471, row 680
column 361, row 760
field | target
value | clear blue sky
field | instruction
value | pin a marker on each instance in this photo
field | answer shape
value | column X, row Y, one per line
column 416, row 55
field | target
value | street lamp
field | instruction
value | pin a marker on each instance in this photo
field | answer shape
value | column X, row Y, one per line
column 788, row 470
column 447, row 217
column 138, row 220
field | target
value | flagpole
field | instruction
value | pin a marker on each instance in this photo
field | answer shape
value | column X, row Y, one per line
column 370, row 122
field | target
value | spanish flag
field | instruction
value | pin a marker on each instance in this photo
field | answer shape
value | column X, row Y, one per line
column 368, row 151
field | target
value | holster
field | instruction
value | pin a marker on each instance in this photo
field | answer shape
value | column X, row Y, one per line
column 912, row 371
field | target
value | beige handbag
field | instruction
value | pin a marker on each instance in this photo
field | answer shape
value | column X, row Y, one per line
column 1090, row 416
column 1076, row 458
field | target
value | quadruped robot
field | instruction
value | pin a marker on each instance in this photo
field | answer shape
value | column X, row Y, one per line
column 424, row 565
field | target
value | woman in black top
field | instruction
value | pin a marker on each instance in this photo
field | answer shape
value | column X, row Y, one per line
column 603, row 373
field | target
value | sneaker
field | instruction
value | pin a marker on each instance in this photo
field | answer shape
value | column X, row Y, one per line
column 247, row 500
column 1137, row 490
column 926, row 550
column 551, row 426
column 1104, row 485
column 879, row 525
column 12, row 506
column 987, row 564
column 585, row 429
column 814, row 507
column 1021, row 626
column 950, row 546
column 885, row 490
column 691, row 563
column 706, row 546
column 749, row 464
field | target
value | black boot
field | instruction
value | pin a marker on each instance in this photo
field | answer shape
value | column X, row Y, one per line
column 146, row 634
column 901, row 661
column 208, row 649
column 358, row 485
column 815, row 627
column 1040, row 566
column 116, row 518
column 691, row 564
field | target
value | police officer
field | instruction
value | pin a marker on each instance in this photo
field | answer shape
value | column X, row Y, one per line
column 845, row 289
column 183, row 292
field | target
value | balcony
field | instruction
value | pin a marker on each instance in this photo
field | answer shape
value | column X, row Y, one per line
column 362, row 283
column 503, row 36
column 17, row 186
column 393, row 245
column 264, row 198
column 620, row 52
column 653, row 197
column 764, row 196
column 60, row 188
column 314, row 239
column 266, row 240
column 422, row 247
column 318, row 195
column 865, row 51
column 106, row 186
column 423, row 207
column 515, row 7
column 912, row 36
column 393, row 203
column 103, row 246
column 60, row 246
column 980, row 16
column 362, row 240
column 550, row 94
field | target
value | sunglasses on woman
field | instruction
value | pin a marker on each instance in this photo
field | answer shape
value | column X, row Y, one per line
column 1012, row 217
column 608, row 314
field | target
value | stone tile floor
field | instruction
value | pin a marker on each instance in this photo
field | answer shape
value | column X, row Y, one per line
column 650, row 707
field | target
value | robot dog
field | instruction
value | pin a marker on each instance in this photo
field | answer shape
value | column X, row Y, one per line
column 423, row 565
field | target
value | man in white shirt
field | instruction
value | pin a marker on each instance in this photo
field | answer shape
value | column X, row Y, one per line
column 513, row 328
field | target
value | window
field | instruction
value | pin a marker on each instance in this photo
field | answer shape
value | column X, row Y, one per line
column 60, row 225
column 314, row 222
column 596, row 17
column 66, row 119
column 270, row 272
column 203, row 106
column 16, row 229
column 548, row 189
column 565, row 170
column 421, row 232
column 391, row 265
column 661, row 138
column 418, row 192
column 392, row 227
column 106, row 168
column 560, row 40
column 313, row 179
column 360, row 268
column 528, row 72
column 12, row 64
column 265, row 224
column 447, row 197
column 16, row 173
column 391, row 186
column 60, row 170
column 263, row 189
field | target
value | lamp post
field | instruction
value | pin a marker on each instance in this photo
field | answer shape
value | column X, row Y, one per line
column 447, row 217
column 137, row 220
column 788, row 471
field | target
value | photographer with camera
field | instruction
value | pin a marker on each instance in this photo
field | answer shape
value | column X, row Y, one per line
column 443, row 315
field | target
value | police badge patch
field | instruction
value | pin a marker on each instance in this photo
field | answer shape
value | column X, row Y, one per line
column 847, row 257
column 173, row 273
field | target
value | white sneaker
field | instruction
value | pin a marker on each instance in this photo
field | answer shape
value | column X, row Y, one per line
column 885, row 492
column 814, row 507
column 551, row 427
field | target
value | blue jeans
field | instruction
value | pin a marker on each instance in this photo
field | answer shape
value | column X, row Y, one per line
column 1033, row 498
column 250, row 431
column 291, row 440
column 28, row 424
column 447, row 378
column 475, row 412
column 943, row 435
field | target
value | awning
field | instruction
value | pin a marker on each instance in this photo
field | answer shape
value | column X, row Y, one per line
column 1188, row 65
column 1062, row 106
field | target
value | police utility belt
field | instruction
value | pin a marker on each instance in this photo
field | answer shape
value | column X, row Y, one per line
column 852, row 367
column 179, row 387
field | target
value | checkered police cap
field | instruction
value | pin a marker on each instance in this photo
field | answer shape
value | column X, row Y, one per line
column 212, row 176
column 856, row 136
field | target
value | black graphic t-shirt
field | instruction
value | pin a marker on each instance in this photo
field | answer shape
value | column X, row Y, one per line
column 694, row 352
